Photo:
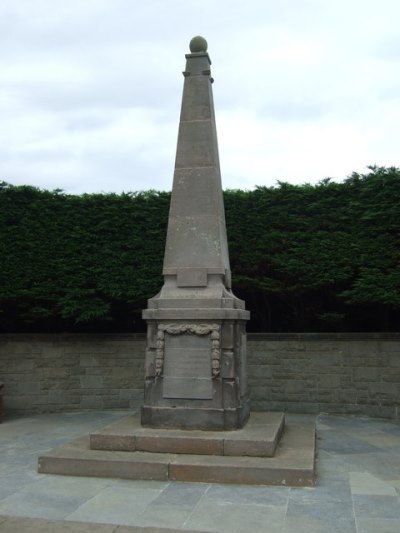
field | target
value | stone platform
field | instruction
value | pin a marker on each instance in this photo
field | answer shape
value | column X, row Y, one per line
column 254, row 454
column 259, row 438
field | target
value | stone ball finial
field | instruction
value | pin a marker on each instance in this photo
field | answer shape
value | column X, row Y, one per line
column 198, row 44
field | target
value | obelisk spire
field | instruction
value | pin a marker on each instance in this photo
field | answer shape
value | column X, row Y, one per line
column 196, row 238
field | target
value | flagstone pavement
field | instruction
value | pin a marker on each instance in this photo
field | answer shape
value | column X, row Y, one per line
column 357, row 491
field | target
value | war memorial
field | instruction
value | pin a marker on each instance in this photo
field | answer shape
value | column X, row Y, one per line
column 196, row 355
column 195, row 422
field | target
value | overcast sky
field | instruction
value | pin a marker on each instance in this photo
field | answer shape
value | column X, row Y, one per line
column 90, row 90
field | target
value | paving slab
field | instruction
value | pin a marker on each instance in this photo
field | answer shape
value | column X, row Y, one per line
column 363, row 483
column 375, row 525
column 316, row 518
column 373, row 506
column 237, row 518
column 39, row 525
column 259, row 438
column 10, row 524
column 292, row 465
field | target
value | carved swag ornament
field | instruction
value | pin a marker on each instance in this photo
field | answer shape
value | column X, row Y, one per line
column 191, row 329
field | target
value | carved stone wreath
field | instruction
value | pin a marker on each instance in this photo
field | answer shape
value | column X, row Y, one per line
column 193, row 329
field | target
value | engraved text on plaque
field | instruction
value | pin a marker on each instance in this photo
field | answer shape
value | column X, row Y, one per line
column 187, row 367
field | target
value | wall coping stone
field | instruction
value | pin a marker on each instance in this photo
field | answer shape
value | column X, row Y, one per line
column 86, row 337
column 66, row 337
column 348, row 336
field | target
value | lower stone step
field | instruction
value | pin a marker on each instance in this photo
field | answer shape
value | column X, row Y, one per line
column 292, row 465
column 259, row 438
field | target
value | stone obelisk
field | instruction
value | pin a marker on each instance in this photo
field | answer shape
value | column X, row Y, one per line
column 196, row 374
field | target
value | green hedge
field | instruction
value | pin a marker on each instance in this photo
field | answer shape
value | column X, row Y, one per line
column 322, row 257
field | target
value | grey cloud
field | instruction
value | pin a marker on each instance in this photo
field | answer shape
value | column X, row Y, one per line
column 72, row 70
column 388, row 48
column 286, row 110
column 391, row 93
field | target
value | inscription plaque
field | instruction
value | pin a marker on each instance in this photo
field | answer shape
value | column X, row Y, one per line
column 187, row 367
column 191, row 277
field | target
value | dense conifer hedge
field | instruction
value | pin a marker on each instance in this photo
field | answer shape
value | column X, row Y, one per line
column 320, row 257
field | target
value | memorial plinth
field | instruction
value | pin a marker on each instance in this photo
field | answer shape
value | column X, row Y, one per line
column 196, row 337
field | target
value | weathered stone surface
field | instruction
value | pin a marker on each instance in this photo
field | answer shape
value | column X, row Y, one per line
column 18, row 524
column 292, row 465
column 76, row 459
column 187, row 367
column 59, row 386
column 185, row 386
column 188, row 417
column 259, row 438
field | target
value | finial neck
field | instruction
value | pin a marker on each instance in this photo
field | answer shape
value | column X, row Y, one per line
column 197, row 64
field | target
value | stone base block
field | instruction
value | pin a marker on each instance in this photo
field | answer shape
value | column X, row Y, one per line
column 195, row 418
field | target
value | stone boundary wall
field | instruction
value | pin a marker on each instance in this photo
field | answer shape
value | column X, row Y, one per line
column 50, row 373
column 326, row 373
column 302, row 373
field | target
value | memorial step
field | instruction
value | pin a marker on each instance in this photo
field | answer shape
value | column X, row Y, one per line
column 259, row 438
column 292, row 465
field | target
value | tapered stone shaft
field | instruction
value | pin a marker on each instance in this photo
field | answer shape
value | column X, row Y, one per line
column 196, row 342
column 196, row 237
